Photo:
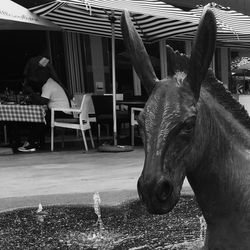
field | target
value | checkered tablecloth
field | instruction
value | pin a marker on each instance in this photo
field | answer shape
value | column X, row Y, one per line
column 22, row 113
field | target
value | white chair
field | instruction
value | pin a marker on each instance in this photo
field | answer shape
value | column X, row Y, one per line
column 79, row 122
column 76, row 103
column 133, row 122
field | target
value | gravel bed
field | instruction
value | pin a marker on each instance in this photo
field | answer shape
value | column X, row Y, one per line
column 127, row 226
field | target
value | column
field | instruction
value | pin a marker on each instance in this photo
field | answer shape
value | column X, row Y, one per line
column 97, row 64
column 224, row 67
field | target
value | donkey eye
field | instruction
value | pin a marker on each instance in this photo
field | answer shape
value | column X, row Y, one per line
column 188, row 127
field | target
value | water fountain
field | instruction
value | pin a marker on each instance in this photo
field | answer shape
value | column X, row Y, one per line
column 126, row 226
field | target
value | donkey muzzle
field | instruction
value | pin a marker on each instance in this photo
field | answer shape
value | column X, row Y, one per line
column 156, row 195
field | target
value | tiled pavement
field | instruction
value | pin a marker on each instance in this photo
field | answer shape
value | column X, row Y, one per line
column 70, row 177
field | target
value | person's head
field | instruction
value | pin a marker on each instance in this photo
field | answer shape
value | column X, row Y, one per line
column 37, row 72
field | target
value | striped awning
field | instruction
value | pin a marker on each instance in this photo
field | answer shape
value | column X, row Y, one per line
column 15, row 17
column 154, row 20
column 233, row 28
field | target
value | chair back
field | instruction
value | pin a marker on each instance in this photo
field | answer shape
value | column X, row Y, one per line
column 135, row 111
column 77, row 100
column 86, row 107
column 103, row 104
column 76, row 103
column 85, row 104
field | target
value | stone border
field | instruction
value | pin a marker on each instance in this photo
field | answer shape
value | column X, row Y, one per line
column 112, row 198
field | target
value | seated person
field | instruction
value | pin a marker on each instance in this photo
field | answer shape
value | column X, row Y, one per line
column 39, row 79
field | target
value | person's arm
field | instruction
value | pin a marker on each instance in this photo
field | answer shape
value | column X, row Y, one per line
column 35, row 98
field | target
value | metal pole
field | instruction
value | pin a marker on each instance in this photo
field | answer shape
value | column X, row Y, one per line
column 113, row 76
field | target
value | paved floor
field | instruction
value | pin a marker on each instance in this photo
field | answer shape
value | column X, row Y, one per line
column 69, row 177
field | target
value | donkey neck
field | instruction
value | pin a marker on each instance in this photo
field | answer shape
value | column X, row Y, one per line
column 223, row 148
column 220, row 178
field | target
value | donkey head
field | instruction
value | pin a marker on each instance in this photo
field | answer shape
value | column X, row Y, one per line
column 168, row 120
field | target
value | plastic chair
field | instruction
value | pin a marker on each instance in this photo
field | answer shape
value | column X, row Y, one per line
column 133, row 122
column 77, row 101
column 79, row 121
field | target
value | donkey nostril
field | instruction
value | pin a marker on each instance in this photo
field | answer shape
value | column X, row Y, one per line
column 164, row 190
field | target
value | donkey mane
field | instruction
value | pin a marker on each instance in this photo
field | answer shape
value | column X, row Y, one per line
column 226, row 99
column 179, row 63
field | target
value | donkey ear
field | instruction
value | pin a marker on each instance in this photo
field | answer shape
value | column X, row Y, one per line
column 138, row 54
column 202, row 51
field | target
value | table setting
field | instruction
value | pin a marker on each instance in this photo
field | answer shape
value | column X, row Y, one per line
column 18, row 107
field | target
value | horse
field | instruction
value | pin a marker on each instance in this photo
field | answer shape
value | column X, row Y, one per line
column 191, row 126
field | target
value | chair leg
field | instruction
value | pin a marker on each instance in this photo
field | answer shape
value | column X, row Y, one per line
column 98, row 132
column 52, row 139
column 77, row 133
column 84, row 140
column 132, row 135
column 91, row 138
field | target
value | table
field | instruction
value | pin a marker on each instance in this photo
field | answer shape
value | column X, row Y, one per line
column 21, row 113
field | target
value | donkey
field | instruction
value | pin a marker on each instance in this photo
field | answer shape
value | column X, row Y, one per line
column 192, row 126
